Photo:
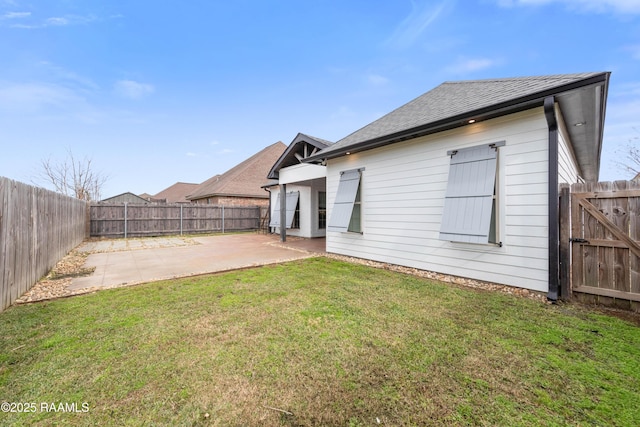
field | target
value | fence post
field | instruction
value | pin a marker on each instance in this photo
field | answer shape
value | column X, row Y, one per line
column 181, row 219
column 222, row 219
column 87, row 218
column 125, row 220
column 565, row 244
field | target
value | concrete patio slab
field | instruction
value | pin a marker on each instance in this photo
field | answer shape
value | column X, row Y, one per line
column 209, row 254
column 115, row 245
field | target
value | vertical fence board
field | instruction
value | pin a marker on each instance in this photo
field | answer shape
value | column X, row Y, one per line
column 37, row 228
column 612, row 235
column 634, row 233
column 577, row 253
column 107, row 220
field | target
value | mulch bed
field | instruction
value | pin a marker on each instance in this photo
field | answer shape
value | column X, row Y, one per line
column 54, row 285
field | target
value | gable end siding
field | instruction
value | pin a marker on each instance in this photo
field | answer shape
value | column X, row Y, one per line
column 403, row 199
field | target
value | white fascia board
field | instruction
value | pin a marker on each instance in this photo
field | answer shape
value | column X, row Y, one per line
column 301, row 172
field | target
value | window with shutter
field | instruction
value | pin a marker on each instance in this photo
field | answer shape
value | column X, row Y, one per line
column 345, row 216
column 292, row 207
column 469, row 213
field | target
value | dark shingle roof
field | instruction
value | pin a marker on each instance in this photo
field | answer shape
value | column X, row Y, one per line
column 243, row 180
column 453, row 101
column 177, row 193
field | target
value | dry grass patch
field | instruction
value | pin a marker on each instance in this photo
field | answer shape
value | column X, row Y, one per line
column 318, row 342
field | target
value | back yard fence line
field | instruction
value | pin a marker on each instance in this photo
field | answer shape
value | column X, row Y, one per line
column 133, row 220
column 37, row 228
column 600, row 243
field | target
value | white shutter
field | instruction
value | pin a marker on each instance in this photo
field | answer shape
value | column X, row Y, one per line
column 292, row 203
column 275, row 214
column 469, row 198
column 345, row 197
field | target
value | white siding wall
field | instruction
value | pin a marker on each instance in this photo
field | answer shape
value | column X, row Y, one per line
column 568, row 172
column 403, row 188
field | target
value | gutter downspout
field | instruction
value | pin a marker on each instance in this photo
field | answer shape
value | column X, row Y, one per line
column 283, row 212
column 268, row 227
column 554, row 211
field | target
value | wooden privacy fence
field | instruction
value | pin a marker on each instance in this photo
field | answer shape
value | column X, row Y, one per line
column 600, row 242
column 139, row 220
column 37, row 229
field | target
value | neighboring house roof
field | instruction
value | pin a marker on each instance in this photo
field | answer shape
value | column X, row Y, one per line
column 130, row 197
column 243, row 180
column 302, row 147
column 177, row 193
column 636, row 178
column 145, row 196
column 582, row 99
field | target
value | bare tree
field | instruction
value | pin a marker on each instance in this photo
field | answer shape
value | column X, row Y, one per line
column 73, row 177
column 630, row 161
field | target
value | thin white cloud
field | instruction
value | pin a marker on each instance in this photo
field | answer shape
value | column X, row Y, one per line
column 59, row 21
column 226, row 151
column 15, row 15
column 634, row 50
column 470, row 65
column 621, row 129
column 132, row 89
column 54, row 21
column 595, row 6
column 377, row 80
column 68, row 78
column 422, row 15
column 342, row 112
column 191, row 154
column 627, row 90
column 35, row 97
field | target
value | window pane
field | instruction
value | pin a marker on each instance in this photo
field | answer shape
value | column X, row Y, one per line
column 492, row 226
column 354, row 223
column 322, row 210
column 296, row 216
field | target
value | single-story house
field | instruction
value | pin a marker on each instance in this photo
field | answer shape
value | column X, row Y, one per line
column 176, row 193
column 127, row 197
column 242, row 184
column 306, row 200
column 463, row 180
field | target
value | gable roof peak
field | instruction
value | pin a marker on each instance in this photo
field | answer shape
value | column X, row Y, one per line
column 292, row 156
column 244, row 179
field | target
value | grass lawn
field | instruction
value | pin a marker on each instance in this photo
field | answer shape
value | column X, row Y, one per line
column 316, row 342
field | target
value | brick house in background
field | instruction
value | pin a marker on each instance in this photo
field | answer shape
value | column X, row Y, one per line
column 242, row 184
column 177, row 193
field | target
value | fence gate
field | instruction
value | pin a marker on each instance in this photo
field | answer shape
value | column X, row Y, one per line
column 605, row 243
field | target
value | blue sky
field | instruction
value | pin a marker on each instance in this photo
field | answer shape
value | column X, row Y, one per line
column 166, row 91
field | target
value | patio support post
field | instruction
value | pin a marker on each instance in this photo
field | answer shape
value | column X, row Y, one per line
column 283, row 212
